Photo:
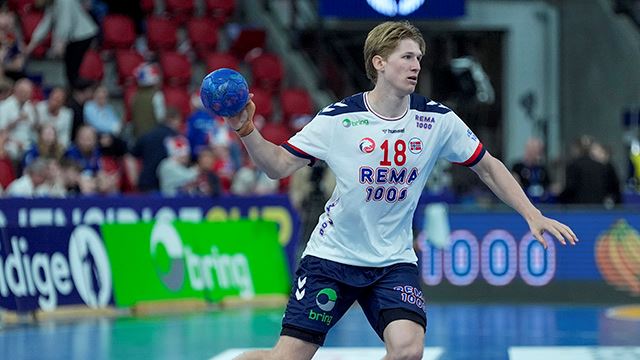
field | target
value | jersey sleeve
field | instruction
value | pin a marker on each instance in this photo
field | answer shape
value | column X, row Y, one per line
column 313, row 141
column 462, row 147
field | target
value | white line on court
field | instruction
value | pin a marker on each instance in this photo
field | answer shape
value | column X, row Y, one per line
column 574, row 352
column 341, row 353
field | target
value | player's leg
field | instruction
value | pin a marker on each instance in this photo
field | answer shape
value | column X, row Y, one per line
column 287, row 348
column 394, row 306
column 404, row 339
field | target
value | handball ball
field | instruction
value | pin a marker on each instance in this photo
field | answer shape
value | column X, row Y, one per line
column 224, row 92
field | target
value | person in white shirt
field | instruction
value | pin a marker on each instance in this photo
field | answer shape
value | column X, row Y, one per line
column 52, row 111
column 174, row 173
column 18, row 117
column 381, row 145
column 32, row 183
column 73, row 31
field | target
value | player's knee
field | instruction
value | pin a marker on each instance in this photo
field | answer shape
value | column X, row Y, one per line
column 406, row 352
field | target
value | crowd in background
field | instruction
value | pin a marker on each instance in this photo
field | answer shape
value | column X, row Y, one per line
column 73, row 141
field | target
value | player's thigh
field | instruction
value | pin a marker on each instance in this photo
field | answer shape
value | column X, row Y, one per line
column 317, row 301
column 395, row 296
column 404, row 339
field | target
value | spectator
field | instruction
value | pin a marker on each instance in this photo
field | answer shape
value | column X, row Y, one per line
column 531, row 172
column 52, row 111
column 147, row 105
column 81, row 92
column 6, row 87
column 85, row 151
column 174, row 173
column 7, row 169
column 150, row 149
column 12, row 56
column 207, row 183
column 589, row 181
column 201, row 126
column 100, row 114
column 32, row 182
column 18, row 117
column 70, row 171
column 73, row 31
column 249, row 180
column 46, row 147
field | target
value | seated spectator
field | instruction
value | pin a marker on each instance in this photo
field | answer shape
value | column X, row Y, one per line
column 150, row 150
column 33, row 182
column 249, row 180
column 207, row 183
column 148, row 105
column 223, row 165
column 12, row 55
column 7, row 169
column 46, row 147
column 52, row 111
column 18, row 117
column 70, row 171
column 100, row 114
column 590, row 178
column 85, row 151
column 201, row 126
column 174, row 173
column 81, row 92
column 531, row 172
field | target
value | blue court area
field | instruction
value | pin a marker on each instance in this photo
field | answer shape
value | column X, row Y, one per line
column 455, row 331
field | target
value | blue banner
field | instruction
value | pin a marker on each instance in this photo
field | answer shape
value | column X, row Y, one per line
column 26, row 213
column 376, row 9
column 46, row 267
column 498, row 249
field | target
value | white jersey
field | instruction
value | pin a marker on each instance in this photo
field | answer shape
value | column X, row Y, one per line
column 381, row 166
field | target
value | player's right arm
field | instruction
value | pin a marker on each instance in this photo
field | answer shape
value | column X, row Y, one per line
column 274, row 160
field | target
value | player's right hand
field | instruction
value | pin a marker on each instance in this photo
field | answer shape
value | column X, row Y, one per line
column 237, row 121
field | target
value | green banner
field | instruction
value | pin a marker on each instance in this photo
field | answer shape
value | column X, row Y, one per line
column 210, row 260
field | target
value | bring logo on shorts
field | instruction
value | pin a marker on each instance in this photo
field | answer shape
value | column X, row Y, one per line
column 326, row 301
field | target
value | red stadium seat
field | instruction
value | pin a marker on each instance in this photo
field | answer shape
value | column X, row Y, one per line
column 29, row 22
column 21, row 7
column 128, row 93
column 176, row 68
column 295, row 102
column 221, row 60
column 248, row 39
column 263, row 101
column 203, row 34
column 119, row 32
column 221, row 10
column 180, row 10
column 126, row 62
column 161, row 34
column 7, row 172
column 277, row 133
column 92, row 67
column 267, row 72
column 179, row 98
column 147, row 6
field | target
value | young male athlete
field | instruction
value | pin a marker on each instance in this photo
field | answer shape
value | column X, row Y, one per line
column 381, row 145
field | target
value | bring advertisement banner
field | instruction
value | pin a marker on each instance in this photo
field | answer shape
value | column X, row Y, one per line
column 165, row 261
column 46, row 267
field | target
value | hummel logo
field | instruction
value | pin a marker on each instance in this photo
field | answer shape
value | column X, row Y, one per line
column 300, row 290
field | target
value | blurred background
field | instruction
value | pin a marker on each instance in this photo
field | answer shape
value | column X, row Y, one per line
column 134, row 223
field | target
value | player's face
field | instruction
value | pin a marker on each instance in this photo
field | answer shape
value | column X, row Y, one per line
column 402, row 66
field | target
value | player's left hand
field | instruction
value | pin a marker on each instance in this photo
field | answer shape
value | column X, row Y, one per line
column 540, row 223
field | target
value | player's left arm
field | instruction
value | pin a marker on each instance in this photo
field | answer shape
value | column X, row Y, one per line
column 496, row 176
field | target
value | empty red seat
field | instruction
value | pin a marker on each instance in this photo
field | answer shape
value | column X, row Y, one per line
column 128, row 94
column 161, row 34
column 203, row 35
column 126, row 62
column 180, row 10
column 295, row 102
column 92, row 66
column 29, row 22
column 221, row 10
column 179, row 98
column 147, row 6
column 267, row 72
column 7, row 172
column 263, row 101
column 248, row 39
column 176, row 68
column 119, row 32
column 221, row 60
column 276, row 133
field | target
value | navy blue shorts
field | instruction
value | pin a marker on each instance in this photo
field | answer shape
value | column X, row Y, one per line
column 324, row 290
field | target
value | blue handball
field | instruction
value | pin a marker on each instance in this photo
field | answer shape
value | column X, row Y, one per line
column 224, row 92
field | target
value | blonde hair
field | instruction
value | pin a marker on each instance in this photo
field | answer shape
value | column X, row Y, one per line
column 384, row 38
